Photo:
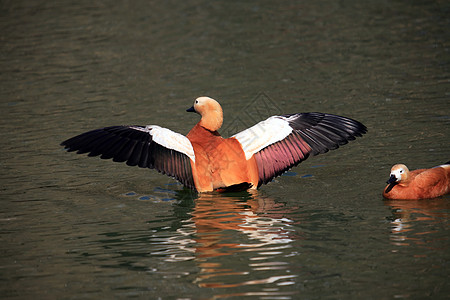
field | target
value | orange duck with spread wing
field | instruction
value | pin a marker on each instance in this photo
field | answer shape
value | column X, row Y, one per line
column 205, row 161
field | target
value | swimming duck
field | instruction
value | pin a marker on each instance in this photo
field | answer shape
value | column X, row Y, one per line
column 204, row 161
column 417, row 184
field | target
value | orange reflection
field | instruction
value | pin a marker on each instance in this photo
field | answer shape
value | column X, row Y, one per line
column 218, row 217
column 408, row 212
column 241, row 237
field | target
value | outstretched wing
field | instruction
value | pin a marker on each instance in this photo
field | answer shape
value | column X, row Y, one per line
column 281, row 142
column 150, row 146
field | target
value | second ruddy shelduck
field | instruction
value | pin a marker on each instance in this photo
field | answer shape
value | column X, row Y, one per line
column 404, row 184
column 204, row 161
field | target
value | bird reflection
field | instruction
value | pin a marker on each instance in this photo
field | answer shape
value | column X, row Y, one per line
column 234, row 238
column 218, row 219
column 408, row 214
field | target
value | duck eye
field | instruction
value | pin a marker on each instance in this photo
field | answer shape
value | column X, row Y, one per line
column 401, row 171
column 196, row 101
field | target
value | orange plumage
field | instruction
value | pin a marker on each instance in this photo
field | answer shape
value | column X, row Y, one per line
column 219, row 162
column 205, row 161
column 417, row 184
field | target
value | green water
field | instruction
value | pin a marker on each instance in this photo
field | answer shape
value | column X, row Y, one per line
column 74, row 227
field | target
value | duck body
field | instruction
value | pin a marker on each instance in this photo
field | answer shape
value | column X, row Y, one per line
column 219, row 162
column 418, row 184
column 205, row 161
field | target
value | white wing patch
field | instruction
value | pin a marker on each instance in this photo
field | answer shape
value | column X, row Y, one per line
column 442, row 166
column 263, row 134
column 169, row 139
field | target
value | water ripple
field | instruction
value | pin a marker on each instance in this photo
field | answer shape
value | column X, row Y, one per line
column 223, row 229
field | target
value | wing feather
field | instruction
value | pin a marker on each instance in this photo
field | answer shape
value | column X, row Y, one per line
column 151, row 147
column 281, row 142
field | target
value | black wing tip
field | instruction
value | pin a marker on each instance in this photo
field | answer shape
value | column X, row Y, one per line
column 324, row 132
column 134, row 146
column 361, row 129
column 303, row 120
column 68, row 147
column 321, row 133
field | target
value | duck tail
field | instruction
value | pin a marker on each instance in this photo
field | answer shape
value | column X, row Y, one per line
column 446, row 166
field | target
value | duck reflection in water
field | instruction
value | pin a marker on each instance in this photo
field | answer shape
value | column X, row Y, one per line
column 232, row 237
column 414, row 221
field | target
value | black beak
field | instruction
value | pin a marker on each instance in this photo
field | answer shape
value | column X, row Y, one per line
column 191, row 109
column 392, row 182
column 392, row 179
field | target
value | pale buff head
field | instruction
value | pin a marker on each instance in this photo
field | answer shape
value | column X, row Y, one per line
column 400, row 172
column 211, row 112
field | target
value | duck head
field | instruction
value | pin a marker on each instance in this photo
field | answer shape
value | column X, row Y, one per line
column 399, row 173
column 211, row 112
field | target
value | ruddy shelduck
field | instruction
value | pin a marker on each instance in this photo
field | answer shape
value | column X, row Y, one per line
column 418, row 184
column 204, row 161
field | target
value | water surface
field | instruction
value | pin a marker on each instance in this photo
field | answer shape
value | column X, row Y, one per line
column 75, row 227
